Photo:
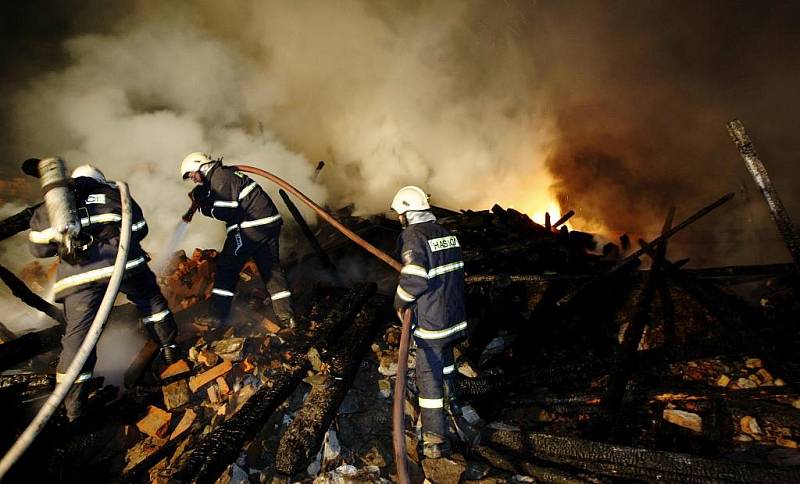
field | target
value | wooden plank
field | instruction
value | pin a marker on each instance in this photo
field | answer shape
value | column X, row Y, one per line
column 196, row 382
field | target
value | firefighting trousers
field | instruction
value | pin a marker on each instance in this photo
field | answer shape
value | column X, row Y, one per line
column 435, row 363
column 238, row 250
column 80, row 308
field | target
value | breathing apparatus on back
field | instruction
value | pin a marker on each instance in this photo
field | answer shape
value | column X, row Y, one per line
column 61, row 209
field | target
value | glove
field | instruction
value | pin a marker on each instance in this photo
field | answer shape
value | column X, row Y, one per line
column 200, row 198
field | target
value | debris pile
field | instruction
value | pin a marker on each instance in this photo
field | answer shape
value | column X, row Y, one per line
column 648, row 375
column 184, row 281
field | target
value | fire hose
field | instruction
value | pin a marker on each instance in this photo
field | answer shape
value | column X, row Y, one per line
column 398, row 414
column 89, row 342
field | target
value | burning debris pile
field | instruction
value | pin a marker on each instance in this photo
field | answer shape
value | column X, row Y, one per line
column 550, row 393
column 579, row 367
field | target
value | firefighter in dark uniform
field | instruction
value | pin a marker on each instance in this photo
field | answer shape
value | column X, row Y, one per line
column 253, row 227
column 81, row 283
column 432, row 285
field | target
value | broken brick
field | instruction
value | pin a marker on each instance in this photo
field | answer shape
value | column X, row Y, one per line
column 248, row 365
column 186, row 421
column 207, row 376
column 176, row 394
column 213, row 394
column 207, row 358
column 270, row 325
column 155, row 423
column 176, row 368
column 224, row 389
column 684, row 419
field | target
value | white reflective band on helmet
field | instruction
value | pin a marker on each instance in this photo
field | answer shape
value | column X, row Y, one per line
column 154, row 318
column 280, row 295
column 414, row 270
column 93, row 275
column 221, row 292
column 138, row 225
column 405, row 296
column 448, row 369
column 246, row 190
column 431, row 402
column 44, row 237
column 222, row 203
column 453, row 266
column 442, row 333
column 81, row 377
column 253, row 223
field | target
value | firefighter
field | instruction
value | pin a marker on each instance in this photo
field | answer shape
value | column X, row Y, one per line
column 432, row 286
column 253, row 227
column 81, row 283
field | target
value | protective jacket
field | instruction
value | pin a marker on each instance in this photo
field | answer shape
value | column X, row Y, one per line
column 432, row 280
column 231, row 196
column 100, row 211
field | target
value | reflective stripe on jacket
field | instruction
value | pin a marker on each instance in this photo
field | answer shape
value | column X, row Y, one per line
column 432, row 280
column 233, row 197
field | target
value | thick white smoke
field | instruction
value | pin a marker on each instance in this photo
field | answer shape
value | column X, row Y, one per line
column 135, row 102
column 384, row 93
column 465, row 98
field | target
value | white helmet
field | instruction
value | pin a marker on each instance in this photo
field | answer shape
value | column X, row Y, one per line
column 88, row 171
column 410, row 198
column 193, row 162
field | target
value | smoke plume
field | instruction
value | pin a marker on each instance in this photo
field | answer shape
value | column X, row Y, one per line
column 615, row 109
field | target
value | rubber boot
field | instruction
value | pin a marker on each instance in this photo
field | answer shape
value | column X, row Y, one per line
column 164, row 333
column 435, row 446
column 75, row 400
column 451, row 400
column 170, row 353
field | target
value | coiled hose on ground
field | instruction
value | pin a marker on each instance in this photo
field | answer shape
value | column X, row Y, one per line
column 55, row 399
column 398, row 414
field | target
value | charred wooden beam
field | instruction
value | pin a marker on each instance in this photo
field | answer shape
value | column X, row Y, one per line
column 29, row 345
column 726, row 274
column 508, row 278
column 31, row 380
column 17, row 223
column 647, row 465
column 766, row 270
column 301, row 222
column 20, row 290
column 507, row 463
column 302, row 439
column 627, row 262
column 549, row 475
column 222, row 445
column 564, row 218
column 625, row 355
column 582, row 400
column 758, row 171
